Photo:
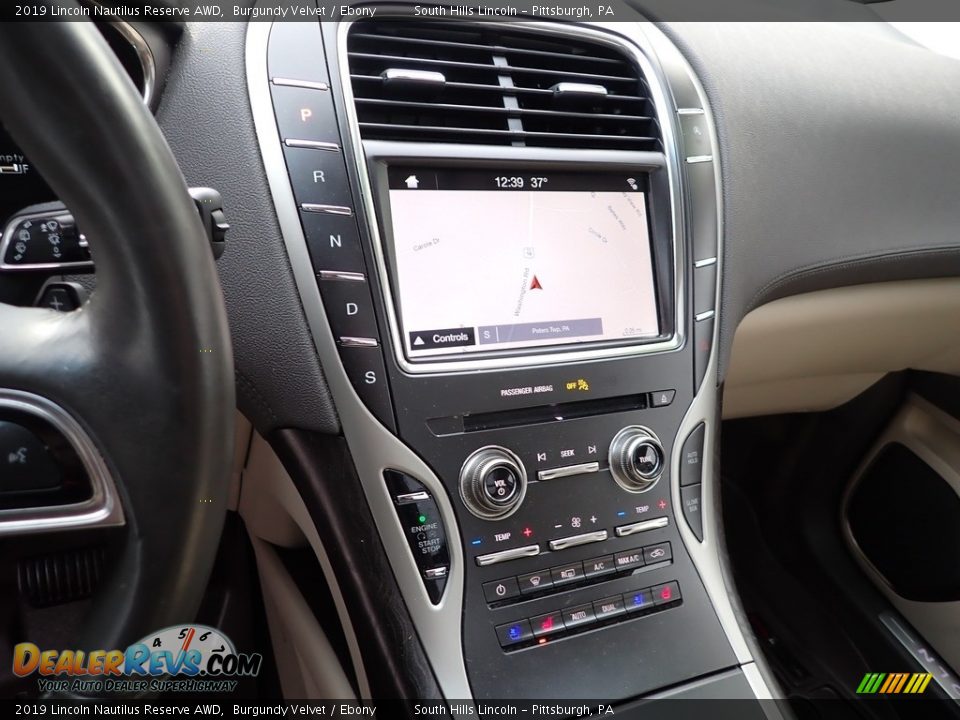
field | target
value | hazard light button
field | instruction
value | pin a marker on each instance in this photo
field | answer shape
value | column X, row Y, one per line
column 447, row 338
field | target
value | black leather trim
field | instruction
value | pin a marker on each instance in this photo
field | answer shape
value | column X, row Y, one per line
column 323, row 472
column 205, row 115
column 146, row 365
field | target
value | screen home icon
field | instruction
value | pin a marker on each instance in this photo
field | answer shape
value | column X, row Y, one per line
column 413, row 182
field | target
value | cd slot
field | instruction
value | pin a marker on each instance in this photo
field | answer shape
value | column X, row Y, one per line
column 541, row 414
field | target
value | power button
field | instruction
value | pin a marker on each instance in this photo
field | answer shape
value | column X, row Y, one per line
column 501, row 590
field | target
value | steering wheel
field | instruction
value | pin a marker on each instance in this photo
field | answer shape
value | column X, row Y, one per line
column 145, row 367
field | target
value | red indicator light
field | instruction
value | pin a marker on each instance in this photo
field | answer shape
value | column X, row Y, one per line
column 527, row 532
column 542, row 641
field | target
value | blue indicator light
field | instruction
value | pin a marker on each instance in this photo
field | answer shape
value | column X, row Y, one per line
column 515, row 632
column 621, row 513
column 476, row 541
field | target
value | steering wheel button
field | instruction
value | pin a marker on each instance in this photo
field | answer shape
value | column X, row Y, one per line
column 25, row 463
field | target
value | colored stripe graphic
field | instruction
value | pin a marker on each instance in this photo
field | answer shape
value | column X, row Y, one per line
column 894, row 683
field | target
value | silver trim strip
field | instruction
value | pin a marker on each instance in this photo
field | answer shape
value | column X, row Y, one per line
column 642, row 526
column 574, row 88
column 407, row 498
column 362, row 342
column 101, row 509
column 622, row 36
column 568, row 470
column 435, row 573
column 699, row 159
column 312, row 145
column 327, row 209
column 148, row 63
column 577, row 540
column 507, row 555
column 690, row 111
column 342, row 275
column 705, row 315
column 306, row 84
column 373, row 447
column 706, row 262
column 926, row 657
column 430, row 77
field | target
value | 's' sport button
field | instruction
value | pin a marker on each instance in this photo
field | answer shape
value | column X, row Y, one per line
column 451, row 337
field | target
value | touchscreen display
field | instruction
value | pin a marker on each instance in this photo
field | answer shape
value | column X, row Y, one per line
column 492, row 261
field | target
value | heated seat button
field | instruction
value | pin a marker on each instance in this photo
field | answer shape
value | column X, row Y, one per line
column 305, row 114
column 628, row 559
column 579, row 615
column 599, row 566
column 513, row 633
column 657, row 553
column 25, row 463
column 501, row 590
column 318, row 177
column 690, row 502
column 368, row 374
column 334, row 242
column 535, row 581
column 349, row 305
column 666, row 593
column 638, row 600
column 546, row 624
column 563, row 574
column 609, row 607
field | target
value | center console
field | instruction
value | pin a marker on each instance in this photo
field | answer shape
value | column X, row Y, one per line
column 505, row 236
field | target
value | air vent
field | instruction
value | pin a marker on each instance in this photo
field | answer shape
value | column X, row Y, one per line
column 497, row 85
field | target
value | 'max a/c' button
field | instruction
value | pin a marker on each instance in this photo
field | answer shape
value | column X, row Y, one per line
column 629, row 559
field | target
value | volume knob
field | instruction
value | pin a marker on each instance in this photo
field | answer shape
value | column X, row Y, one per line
column 636, row 458
column 492, row 482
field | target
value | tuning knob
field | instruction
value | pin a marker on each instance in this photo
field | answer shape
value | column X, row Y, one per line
column 636, row 458
column 492, row 482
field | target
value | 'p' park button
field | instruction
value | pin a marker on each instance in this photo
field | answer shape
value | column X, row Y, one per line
column 450, row 337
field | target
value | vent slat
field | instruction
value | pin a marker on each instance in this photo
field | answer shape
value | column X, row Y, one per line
column 496, row 69
column 499, row 89
column 513, row 134
column 509, row 112
column 495, row 49
column 503, row 85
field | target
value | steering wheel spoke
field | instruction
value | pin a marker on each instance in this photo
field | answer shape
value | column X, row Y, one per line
column 140, row 378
